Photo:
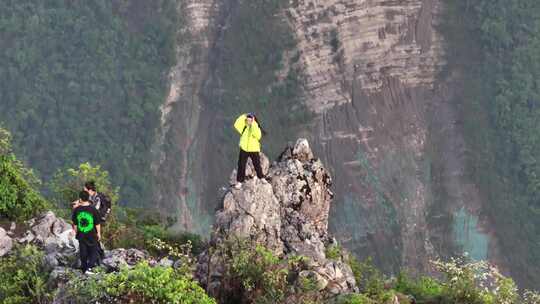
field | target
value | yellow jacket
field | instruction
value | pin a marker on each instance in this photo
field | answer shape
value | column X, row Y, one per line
column 249, row 135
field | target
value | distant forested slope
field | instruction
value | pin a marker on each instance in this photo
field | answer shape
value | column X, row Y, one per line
column 498, row 44
column 83, row 81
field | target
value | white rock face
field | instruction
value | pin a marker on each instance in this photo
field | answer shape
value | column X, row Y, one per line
column 182, row 108
column 366, row 40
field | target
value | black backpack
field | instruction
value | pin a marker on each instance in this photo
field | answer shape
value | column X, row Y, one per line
column 104, row 207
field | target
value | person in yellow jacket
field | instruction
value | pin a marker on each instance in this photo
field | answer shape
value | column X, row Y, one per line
column 250, row 147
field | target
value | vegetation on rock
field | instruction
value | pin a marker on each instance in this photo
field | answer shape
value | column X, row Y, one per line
column 141, row 284
column 19, row 197
column 23, row 277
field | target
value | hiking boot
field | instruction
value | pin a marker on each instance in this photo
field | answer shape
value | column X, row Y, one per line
column 237, row 185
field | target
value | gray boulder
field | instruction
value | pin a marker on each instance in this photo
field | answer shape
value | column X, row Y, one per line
column 55, row 236
column 118, row 258
column 6, row 243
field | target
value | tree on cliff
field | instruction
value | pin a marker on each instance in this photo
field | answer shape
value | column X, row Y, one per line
column 19, row 198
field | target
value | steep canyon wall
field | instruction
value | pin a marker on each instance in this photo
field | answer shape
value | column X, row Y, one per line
column 380, row 114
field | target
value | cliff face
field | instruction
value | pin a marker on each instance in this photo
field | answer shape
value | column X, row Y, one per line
column 175, row 153
column 383, row 123
column 371, row 68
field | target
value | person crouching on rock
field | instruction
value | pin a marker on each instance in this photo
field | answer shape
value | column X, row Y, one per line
column 86, row 224
column 250, row 146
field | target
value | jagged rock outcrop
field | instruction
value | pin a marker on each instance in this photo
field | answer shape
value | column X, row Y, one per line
column 287, row 214
column 55, row 236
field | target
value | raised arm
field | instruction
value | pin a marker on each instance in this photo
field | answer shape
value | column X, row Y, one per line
column 255, row 130
column 240, row 123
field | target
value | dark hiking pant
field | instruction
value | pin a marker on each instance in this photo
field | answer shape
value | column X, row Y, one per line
column 89, row 255
column 242, row 161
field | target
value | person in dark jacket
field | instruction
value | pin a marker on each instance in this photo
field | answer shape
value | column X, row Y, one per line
column 99, row 200
column 86, row 224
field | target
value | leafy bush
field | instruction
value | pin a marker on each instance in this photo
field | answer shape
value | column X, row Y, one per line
column 19, row 199
column 67, row 184
column 333, row 252
column 254, row 274
column 23, row 277
column 354, row 299
column 475, row 282
column 530, row 297
column 142, row 284
column 263, row 277
column 368, row 278
column 423, row 289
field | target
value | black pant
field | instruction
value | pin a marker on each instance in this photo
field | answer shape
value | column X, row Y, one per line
column 242, row 160
column 89, row 255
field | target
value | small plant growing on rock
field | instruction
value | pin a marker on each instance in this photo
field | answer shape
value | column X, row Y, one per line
column 369, row 279
column 180, row 253
column 424, row 289
column 262, row 275
column 23, row 277
column 19, row 199
column 475, row 282
column 354, row 299
column 530, row 297
column 333, row 252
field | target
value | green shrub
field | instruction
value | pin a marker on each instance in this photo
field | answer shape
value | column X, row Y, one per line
column 142, row 284
column 475, row 283
column 354, row 299
column 66, row 184
column 368, row 278
column 19, row 199
column 530, row 297
column 333, row 252
column 263, row 277
column 423, row 289
column 308, row 284
column 23, row 278
column 256, row 275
